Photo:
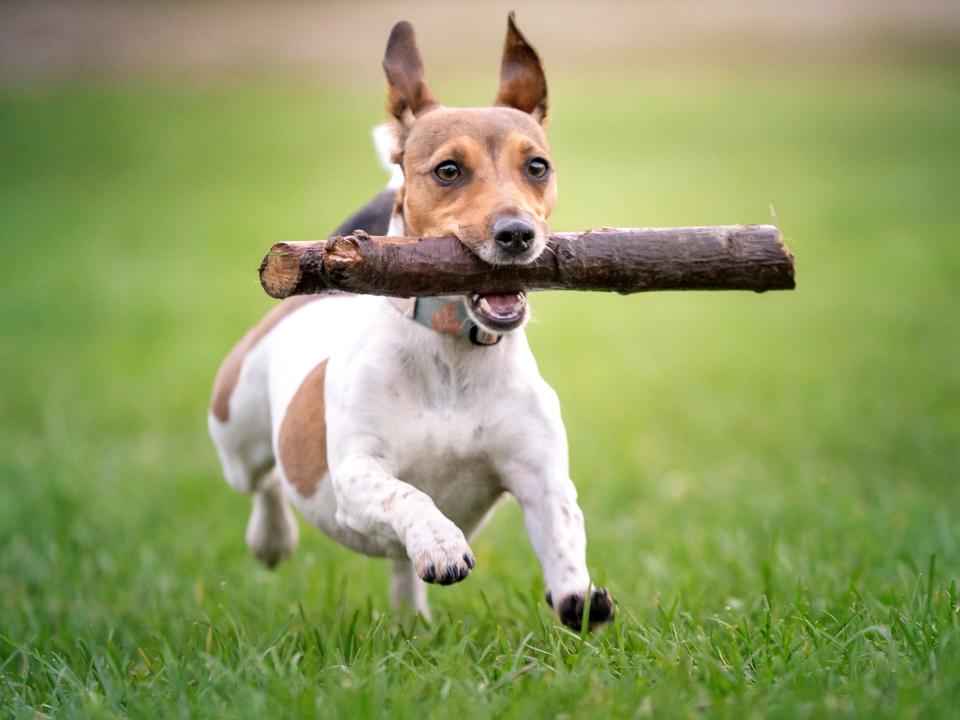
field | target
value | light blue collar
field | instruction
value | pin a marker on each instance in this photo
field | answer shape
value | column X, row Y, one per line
column 445, row 316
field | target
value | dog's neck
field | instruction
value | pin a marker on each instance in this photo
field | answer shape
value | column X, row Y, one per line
column 445, row 314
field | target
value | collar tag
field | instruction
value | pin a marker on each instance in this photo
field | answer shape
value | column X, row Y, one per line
column 481, row 337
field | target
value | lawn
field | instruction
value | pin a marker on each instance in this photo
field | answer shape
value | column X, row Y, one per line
column 769, row 481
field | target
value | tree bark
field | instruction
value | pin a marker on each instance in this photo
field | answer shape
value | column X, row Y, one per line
column 622, row 260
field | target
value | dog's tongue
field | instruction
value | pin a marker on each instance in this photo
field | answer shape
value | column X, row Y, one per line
column 502, row 304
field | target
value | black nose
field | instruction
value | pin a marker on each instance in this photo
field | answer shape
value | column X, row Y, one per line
column 514, row 235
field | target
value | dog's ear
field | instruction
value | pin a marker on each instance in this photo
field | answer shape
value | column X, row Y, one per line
column 407, row 94
column 522, row 83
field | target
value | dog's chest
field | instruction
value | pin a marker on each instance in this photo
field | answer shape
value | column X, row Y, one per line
column 446, row 437
column 463, row 485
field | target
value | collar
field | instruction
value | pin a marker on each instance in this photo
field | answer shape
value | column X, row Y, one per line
column 446, row 316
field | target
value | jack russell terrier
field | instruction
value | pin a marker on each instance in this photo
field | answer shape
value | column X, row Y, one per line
column 395, row 424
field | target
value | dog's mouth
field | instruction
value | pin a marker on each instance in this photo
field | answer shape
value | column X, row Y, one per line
column 498, row 312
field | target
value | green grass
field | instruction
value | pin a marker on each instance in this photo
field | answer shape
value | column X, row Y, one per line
column 770, row 482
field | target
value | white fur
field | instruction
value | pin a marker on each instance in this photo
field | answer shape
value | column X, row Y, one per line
column 424, row 433
column 385, row 142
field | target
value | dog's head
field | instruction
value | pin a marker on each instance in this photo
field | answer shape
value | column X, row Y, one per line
column 481, row 175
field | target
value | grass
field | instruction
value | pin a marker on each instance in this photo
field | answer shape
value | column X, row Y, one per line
column 770, row 482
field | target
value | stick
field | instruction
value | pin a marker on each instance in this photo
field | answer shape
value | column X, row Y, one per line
column 628, row 260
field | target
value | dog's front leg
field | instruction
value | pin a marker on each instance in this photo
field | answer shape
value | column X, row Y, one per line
column 554, row 523
column 537, row 474
column 371, row 500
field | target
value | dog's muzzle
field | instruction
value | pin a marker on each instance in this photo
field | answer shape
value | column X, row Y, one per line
column 516, row 241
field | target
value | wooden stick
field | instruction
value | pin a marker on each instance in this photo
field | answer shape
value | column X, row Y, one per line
column 625, row 260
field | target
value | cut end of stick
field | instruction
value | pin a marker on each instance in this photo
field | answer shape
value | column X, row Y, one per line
column 790, row 267
column 280, row 270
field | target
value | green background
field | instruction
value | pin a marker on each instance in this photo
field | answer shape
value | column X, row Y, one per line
column 769, row 481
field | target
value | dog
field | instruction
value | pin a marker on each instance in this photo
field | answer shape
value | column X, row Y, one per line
column 395, row 424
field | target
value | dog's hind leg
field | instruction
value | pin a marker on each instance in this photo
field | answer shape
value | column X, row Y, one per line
column 272, row 531
column 408, row 593
column 248, row 466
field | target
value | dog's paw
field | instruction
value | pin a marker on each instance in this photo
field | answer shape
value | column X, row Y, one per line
column 272, row 535
column 445, row 559
column 451, row 570
column 570, row 609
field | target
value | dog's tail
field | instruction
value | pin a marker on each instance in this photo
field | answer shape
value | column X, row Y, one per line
column 385, row 143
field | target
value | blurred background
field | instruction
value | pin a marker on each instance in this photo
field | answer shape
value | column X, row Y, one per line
column 727, row 447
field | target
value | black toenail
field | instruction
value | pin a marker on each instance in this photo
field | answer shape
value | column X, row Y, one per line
column 571, row 611
column 431, row 574
column 601, row 606
column 468, row 560
column 549, row 598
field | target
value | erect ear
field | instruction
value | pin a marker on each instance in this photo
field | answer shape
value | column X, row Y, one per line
column 522, row 83
column 407, row 95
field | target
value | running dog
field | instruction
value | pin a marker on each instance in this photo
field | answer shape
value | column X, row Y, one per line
column 395, row 424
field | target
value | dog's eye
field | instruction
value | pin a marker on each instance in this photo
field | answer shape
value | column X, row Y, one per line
column 447, row 171
column 538, row 168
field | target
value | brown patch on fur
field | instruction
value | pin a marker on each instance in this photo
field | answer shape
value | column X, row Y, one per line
column 229, row 371
column 493, row 146
column 407, row 94
column 302, row 443
column 522, row 83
